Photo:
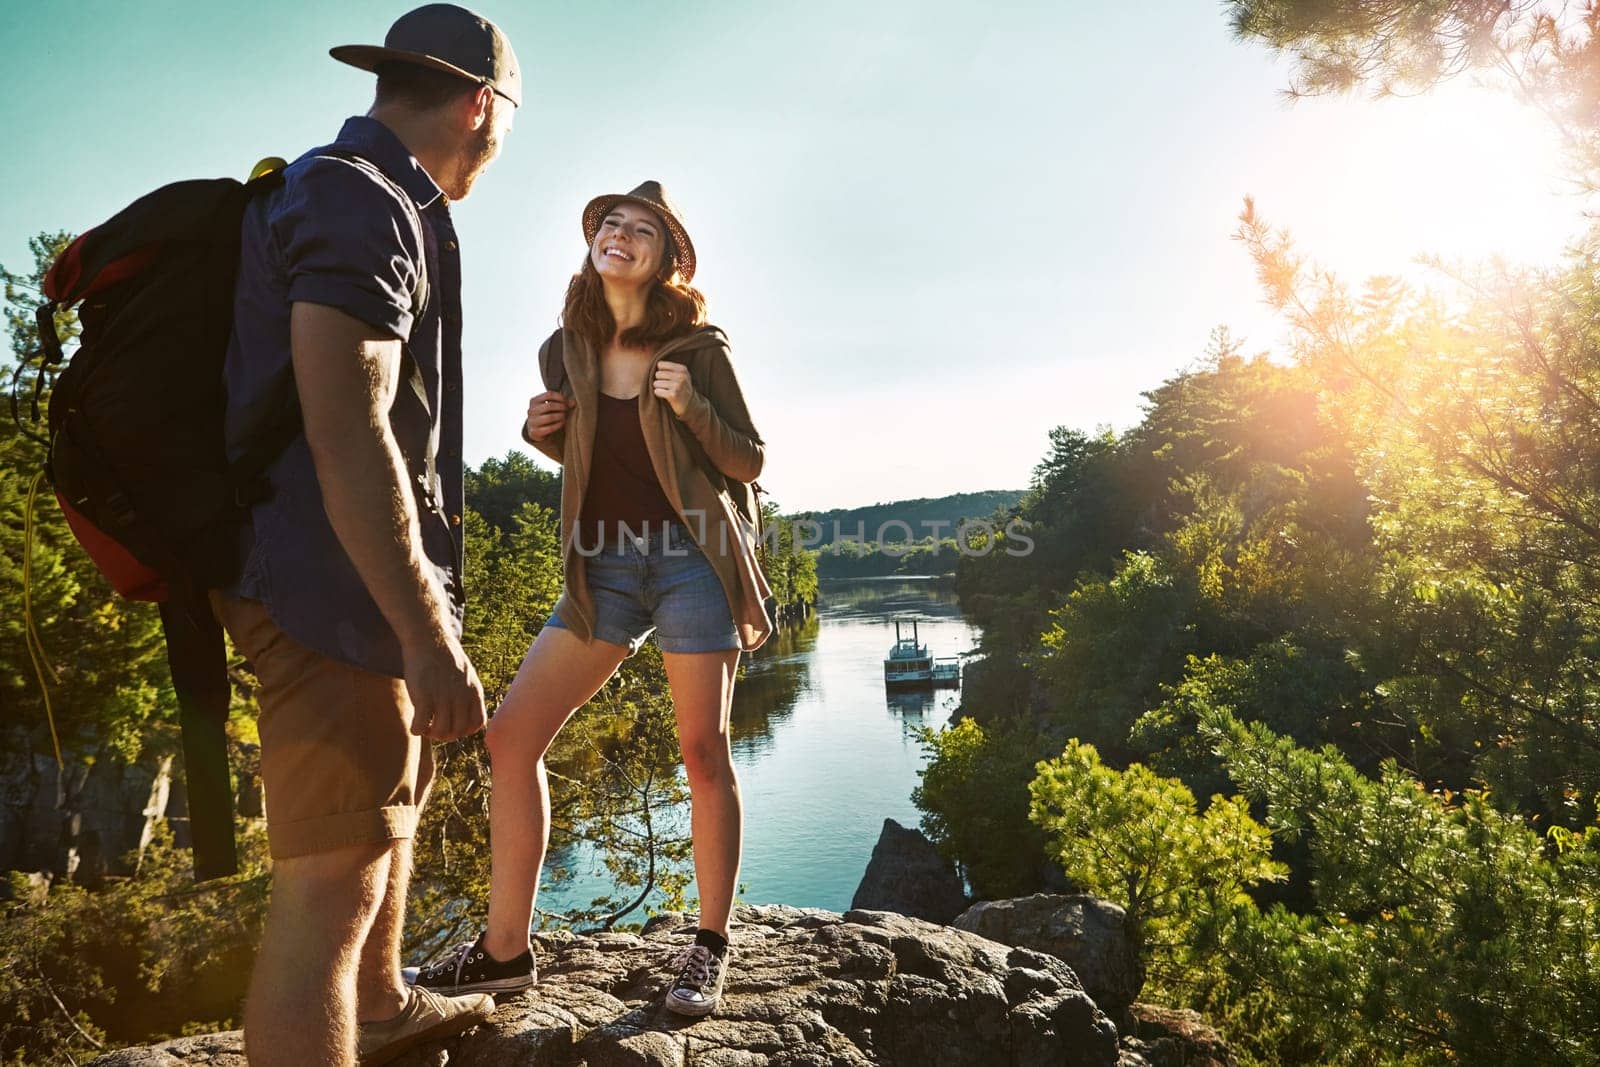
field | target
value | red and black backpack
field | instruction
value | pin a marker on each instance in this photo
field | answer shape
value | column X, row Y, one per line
column 135, row 442
column 136, row 452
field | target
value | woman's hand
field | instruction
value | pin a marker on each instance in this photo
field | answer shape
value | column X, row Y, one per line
column 672, row 384
column 547, row 413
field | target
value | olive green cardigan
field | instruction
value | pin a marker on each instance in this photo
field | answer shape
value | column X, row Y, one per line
column 705, row 473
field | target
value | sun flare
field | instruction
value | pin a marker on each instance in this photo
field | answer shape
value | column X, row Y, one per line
column 1463, row 172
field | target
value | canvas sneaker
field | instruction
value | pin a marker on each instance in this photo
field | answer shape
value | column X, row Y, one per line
column 427, row 1016
column 468, row 968
column 698, row 985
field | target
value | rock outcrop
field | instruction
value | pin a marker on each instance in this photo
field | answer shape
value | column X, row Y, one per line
column 1173, row 1037
column 907, row 875
column 1085, row 932
column 95, row 817
column 807, row 988
column 81, row 823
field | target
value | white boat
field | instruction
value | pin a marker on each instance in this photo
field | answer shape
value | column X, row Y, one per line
column 910, row 664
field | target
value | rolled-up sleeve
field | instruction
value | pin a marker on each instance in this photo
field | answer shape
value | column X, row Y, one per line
column 348, row 242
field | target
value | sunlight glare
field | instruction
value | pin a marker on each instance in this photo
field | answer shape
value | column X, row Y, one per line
column 1462, row 172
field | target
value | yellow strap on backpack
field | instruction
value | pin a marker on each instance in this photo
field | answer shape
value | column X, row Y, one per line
column 267, row 166
column 41, row 662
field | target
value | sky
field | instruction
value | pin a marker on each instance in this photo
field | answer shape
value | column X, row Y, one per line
column 932, row 231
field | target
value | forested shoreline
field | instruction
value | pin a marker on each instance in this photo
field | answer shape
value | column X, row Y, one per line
column 1302, row 671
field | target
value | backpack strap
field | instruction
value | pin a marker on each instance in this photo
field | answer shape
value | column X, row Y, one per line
column 552, row 363
column 248, row 473
column 199, row 663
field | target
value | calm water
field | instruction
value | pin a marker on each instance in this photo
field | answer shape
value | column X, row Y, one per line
column 824, row 754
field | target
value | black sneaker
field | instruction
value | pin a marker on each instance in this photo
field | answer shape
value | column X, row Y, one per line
column 468, row 968
column 698, row 986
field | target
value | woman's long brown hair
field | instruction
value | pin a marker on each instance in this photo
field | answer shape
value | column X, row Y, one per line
column 672, row 307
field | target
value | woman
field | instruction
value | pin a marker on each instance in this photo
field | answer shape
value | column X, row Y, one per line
column 656, row 534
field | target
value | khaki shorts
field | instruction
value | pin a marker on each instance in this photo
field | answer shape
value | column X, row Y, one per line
column 339, row 764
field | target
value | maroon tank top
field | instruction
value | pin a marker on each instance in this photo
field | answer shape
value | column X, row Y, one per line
column 623, row 487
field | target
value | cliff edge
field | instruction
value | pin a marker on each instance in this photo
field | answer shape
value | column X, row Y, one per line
column 807, row 988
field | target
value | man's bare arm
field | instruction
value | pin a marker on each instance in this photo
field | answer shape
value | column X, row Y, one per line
column 346, row 373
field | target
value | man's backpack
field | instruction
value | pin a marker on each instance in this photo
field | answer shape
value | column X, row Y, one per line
column 135, row 416
column 137, row 456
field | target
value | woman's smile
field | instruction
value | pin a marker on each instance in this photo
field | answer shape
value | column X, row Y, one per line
column 629, row 244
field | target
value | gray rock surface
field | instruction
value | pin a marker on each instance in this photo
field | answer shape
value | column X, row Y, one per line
column 1085, row 932
column 1173, row 1037
column 907, row 875
column 96, row 817
column 807, row 988
column 80, row 824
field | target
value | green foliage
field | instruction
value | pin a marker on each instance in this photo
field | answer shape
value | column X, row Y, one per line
column 1400, row 45
column 1109, row 646
column 1381, row 556
column 500, row 488
column 1478, row 424
column 935, row 517
column 848, row 559
column 144, row 957
column 1305, row 686
column 1136, row 838
column 790, row 567
column 513, row 580
column 974, row 802
column 1443, row 930
column 1078, row 512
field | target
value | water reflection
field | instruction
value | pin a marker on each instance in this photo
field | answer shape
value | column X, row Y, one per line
column 920, row 598
column 776, row 677
column 913, row 702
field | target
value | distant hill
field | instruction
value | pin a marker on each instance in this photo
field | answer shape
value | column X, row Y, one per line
column 918, row 514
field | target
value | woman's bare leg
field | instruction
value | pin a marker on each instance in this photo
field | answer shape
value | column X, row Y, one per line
column 558, row 675
column 702, row 697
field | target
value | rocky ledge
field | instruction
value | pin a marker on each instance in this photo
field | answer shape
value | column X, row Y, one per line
column 807, row 987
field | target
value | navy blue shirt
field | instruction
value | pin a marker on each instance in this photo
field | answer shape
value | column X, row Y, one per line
column 340, row 232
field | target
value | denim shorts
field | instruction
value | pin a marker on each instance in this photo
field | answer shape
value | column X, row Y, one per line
column 659, row 583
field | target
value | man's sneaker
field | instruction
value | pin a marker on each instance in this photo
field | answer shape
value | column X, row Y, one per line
column 427, row 1016
column 468, row 968
column 698, row 986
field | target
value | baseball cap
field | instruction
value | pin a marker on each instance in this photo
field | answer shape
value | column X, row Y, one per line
column 448, row 38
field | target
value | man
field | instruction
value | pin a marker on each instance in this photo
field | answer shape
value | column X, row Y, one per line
column 349, row 604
